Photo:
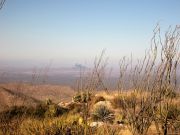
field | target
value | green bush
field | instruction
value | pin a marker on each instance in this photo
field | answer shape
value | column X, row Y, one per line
column 77, row 97
column 102, row 113
column 54, row 111
column 14, row 113
column 39, row 111
column 83, row 97
column 48, row 110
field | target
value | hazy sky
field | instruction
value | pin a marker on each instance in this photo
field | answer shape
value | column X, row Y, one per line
column 75, row 31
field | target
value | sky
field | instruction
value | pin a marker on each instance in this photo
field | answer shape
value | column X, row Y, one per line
column 75, row 31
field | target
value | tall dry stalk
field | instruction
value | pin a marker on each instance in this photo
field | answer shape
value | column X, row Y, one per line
column 91, row 81
column 155, row 75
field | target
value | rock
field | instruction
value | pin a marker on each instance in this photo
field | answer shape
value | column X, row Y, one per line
column 96, row 124
column 104, row 103
column 70, row 105
column 61, row 104
column 120, row 123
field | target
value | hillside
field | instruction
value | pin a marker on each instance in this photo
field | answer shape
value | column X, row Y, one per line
column 25, row 94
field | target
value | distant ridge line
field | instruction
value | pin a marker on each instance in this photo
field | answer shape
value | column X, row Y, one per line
column 20, row 95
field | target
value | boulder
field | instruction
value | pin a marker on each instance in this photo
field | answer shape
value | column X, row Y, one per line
column 104, row 103
column 96, row 124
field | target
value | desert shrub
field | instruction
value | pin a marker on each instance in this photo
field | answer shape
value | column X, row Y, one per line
column 83, row 97
column 125, row 101
column 169, row 116
column 102, row 113
column 54, row 111
column 48, row 102
column 39, row 111
column 77, row 97
column 120, row 118
column 75, row 107
column 48, row 109
column 173, row 94
column 12, row 118
column 177, row 123
column 173, row 116
column 117, row 102
column 42, row 109
column 173, row 112
column 169, row 93
column 14, row 113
